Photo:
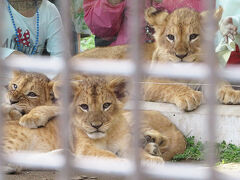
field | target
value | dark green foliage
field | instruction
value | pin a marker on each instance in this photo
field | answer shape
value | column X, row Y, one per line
column 227, row 153
column 194, row 151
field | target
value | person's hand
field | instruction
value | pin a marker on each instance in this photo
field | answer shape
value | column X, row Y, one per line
column 114, row 2
column 227, row 29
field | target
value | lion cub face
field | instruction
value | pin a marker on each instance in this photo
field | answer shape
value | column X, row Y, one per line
column 96, row 104
column 178, row 35
column 28, row 90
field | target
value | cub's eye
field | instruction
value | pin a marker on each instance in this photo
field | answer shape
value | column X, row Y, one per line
column 32, row 94
column 193, row 36
column 170, row 37
column 14, row 86
column 84, row 107
column 148, row 138
column 106, row 106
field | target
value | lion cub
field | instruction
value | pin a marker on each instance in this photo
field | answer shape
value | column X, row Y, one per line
column 102, row 128
column 30, row 96
column 178, row 40
column 31, row 99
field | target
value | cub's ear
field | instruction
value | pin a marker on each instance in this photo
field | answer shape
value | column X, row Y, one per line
column 217, row 15
column 57, row 85
column 119, row 87
column 155, row 17
column 17, row 73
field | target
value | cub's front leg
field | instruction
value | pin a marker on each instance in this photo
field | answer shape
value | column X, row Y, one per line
column 88, row 149
column 85, row 146
column 227, row 95
column 184, row 97
column 39, row 116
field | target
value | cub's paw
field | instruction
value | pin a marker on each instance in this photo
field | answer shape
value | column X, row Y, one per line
column 154, row 139
column 14, row 115
column 189, row 101
column 228, row 96
column 151, row 158
column 33, row 120
column 153, row 149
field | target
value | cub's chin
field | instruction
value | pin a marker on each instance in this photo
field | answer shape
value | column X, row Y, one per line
column 96, row 135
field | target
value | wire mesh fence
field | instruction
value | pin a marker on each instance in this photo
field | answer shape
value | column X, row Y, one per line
column 64, row 161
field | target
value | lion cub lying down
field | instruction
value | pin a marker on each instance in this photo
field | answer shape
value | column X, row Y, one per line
column 178, row 40
column 102, row 128
column 31, row 105
column 99, row 125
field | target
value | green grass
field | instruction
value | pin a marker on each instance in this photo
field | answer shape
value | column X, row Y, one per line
column 227, row 153
column 194, row 151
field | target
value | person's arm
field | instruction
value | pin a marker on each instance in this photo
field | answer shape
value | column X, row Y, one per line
column 227, row 28
column 7, row 53
column 55, row 33
column 104, row 17
column 236, row 22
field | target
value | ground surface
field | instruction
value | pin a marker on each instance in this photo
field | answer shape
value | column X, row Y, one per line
column 231, row 169
column 51, row 175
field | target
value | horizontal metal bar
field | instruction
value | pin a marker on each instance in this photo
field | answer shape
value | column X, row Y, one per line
column 103, row 67
column 118, row 167
column 191, row 71
column 42, row 64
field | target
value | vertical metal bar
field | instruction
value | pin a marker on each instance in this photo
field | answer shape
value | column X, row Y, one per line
column 65, row 129
column 136, row 42
column 211, row 93
column 1, row 94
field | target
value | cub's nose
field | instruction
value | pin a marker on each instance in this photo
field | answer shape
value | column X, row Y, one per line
column 181, row 56
column 13, row 102
column 97, row 125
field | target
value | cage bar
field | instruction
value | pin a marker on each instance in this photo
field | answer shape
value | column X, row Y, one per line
column 168, row 171
column 2, row 161
column 65, row 128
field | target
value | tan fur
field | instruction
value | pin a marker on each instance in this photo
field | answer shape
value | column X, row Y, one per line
column 181, row 24
column 115, row 52
column 114, row 139
column 31, row 95
column 18, row 138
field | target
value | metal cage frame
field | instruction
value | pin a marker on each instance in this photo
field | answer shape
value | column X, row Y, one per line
column 132, row 169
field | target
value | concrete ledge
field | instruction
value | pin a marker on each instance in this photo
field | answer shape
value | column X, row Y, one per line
column 194, row 123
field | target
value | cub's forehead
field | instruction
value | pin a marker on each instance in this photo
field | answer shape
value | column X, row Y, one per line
column 93, row 87
column 93, row 90
column 184, row 17
column 31, row 77
column 30, row 81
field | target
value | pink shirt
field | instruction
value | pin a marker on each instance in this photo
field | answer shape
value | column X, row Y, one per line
column 106, row 20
